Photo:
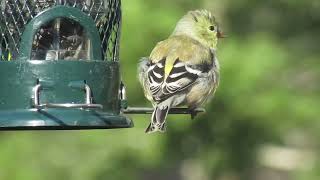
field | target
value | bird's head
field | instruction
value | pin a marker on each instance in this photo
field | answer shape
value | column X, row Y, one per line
column 200, row 25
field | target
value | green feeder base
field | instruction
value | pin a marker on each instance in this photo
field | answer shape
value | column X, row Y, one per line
column 61, row 119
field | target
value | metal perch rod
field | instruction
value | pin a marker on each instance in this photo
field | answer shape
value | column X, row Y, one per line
column 147, row 110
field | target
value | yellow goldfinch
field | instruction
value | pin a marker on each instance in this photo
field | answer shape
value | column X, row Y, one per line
column 183, row 69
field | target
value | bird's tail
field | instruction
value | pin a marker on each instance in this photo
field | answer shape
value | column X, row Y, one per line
column 158, row 120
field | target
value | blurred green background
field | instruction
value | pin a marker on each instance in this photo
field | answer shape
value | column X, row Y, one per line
column 262, row 124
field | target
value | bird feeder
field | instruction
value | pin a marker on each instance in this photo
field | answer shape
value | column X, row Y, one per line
column 59, row 66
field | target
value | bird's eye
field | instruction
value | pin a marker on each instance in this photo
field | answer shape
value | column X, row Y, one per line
column 211, row 28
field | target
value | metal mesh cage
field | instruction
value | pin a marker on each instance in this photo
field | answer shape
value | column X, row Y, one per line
column 15, row 14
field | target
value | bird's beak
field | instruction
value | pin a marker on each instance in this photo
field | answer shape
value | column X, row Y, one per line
column 220, row 34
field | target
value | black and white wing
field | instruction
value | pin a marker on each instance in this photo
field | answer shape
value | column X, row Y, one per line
column 180, row 78
column 156, row 77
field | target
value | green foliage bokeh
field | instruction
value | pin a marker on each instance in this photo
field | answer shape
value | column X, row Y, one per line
column 269, row 95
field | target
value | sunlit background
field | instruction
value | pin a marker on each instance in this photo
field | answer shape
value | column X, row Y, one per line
column 262, row 124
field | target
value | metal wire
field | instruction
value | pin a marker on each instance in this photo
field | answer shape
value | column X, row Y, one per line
column 15, row 14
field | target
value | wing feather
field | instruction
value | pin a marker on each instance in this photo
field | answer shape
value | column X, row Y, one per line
column 184, row 72
column 180, row 78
